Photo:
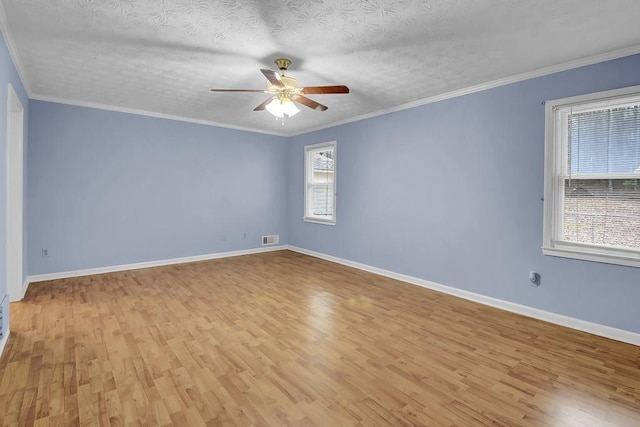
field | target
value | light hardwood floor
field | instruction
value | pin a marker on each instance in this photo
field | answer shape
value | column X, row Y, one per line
column 285, row 339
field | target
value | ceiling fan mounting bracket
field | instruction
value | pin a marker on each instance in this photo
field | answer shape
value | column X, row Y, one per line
column 283, row 64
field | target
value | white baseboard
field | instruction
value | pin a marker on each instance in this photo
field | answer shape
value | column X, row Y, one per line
column 23, row 291
column 159, row 263
column 558, row 319
column 25, row 285
column 3, row 342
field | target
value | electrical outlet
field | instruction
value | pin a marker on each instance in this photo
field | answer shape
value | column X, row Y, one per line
column 45, row 253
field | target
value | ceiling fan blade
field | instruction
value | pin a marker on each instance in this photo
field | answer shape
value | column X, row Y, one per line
column 272, row 76
column 263, row 105
column 324, row 89
column 238, row 90
column 309, row 103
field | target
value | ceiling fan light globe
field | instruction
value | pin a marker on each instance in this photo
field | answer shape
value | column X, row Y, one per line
column 289, row 108
column 275, row 108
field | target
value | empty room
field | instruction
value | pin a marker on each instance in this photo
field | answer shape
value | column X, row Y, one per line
column 319, row 213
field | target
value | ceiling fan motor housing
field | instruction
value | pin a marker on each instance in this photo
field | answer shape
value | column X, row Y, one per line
column 284, row 91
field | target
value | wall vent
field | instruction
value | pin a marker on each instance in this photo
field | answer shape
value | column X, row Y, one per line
column 4, row 316
column 270, row 240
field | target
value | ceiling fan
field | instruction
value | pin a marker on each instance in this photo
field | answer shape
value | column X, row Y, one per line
column 284, row 92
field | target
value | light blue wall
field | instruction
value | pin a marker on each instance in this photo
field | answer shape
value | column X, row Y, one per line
column 108, row 188
column 451, row 192
column 8, row 74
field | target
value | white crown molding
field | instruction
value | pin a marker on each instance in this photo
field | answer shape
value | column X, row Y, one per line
column 148, row 264
column 127, row 110
column 619, row 53
column 565, row 66
column 13, row 51
column 558, row 319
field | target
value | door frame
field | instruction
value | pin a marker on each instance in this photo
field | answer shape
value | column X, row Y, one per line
column 15, row 195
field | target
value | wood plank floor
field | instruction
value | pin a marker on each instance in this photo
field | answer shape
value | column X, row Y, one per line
column 285, row 339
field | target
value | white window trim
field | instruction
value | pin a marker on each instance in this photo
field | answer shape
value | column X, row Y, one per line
column 554, row 167
column 309, row 169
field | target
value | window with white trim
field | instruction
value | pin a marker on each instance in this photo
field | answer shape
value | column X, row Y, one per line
column 320, row 183
column 592, row 177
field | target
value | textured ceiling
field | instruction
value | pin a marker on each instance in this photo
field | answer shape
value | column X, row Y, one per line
column 163, row 56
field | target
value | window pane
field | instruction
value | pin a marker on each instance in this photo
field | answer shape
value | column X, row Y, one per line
column 322, row 200
column 323, row 165
column 322, row 183
column 606, row 140
column 602, row 211
column 320, row 187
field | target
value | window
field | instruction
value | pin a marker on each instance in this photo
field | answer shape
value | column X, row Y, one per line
column 320, row 183
column 592, row 177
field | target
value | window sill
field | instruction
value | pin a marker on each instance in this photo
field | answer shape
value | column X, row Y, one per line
column 595, row 254
column 319, row 221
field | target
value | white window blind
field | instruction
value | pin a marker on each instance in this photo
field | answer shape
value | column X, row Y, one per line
column 592, row 191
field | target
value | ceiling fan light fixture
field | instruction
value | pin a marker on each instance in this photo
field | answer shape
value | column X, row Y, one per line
column 275, row 108
column 281, row 107
column 289, row 108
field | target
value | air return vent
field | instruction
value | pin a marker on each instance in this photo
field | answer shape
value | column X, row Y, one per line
column 270, row 240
